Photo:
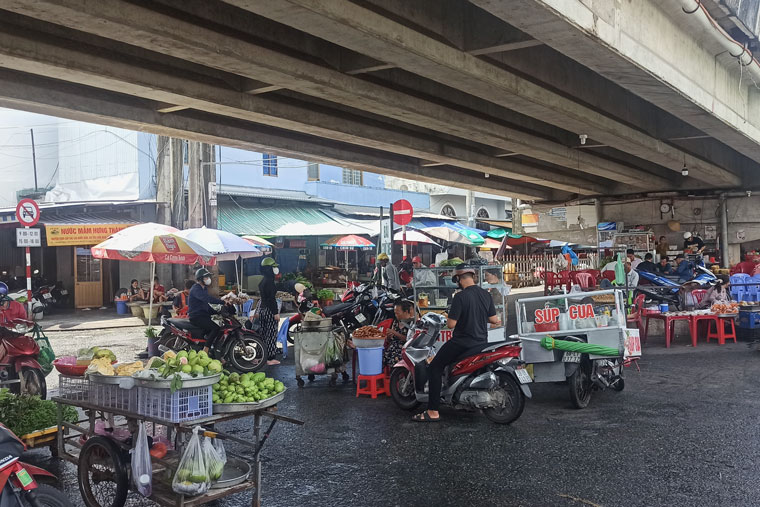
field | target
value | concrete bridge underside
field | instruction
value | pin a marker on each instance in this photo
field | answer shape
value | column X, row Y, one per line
column 490, row 95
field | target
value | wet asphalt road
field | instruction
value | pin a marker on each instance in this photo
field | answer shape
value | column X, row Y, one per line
column 682, row 433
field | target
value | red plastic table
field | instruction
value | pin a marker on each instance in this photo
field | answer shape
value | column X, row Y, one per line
column 669, row 319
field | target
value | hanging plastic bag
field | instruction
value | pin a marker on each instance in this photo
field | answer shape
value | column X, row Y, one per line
column 219, row 447
column 191, row 477
column 333, row 357
column 214, row 463
column 142, row 468
column 46, row 355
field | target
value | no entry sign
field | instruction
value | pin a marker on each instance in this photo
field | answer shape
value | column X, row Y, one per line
column 27, row 212
column 402, row 212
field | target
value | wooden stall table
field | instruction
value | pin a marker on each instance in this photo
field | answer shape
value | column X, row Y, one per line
column 669, row 319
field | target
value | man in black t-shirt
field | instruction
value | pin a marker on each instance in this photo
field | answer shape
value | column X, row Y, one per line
column 471, row 312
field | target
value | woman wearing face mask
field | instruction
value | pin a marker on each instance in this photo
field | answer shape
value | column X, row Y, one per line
column 269, row 313
column 198, row 309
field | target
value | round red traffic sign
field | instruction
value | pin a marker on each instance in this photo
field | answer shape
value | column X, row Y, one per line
column 402, row 212
column 28, row 212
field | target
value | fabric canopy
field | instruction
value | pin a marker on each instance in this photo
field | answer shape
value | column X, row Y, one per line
column 285, row 221
column 498, row 233
column 453, row 232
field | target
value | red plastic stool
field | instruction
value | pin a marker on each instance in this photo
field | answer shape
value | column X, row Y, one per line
column 720, row 333
column 373, row 385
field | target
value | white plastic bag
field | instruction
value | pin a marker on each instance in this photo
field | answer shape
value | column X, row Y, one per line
column 214, row 463
column 142, row 468
column 219, row 447
column 191, row 477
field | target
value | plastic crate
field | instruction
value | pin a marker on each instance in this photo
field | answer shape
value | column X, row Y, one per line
column 178, row 406
column 73, row 388
column 113, row 396
column 748, row 320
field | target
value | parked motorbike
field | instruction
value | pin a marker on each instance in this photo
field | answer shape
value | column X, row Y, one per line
column 38, row 309
column 669, row 291
column 19, row 484
column 487, row 377
column 243, row 350
column 61, row 295
column 19, row 367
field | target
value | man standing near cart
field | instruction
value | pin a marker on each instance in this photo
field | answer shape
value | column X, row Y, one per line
column 471, row 311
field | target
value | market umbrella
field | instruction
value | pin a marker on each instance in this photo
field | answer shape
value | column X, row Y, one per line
column 498, row 233
column 259, row 242
column 224, row 245
column 455, row 235
column 519, row 239
column 413, row 237
column 346, row 243
column 550, row 343
column 136, row 244
column 491, row 244
column 350, row 242
column 147, row 229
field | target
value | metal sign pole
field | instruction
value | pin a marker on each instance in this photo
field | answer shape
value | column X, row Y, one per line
column 28, row 280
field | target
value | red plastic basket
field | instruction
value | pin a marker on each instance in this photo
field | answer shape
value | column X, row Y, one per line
column 552, row 326
column 72, row 370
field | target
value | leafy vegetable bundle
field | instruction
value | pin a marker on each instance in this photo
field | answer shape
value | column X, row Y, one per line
column 25, row 414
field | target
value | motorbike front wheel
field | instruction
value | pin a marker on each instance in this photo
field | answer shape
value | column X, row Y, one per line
column 402, row 389
column 580, row 384
column 45, row 495
column 514, row 401
column 247, row 354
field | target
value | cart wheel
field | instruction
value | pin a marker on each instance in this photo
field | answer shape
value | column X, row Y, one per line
column 102, row 473
column 311, row 378
column 580, row 384
column 300, row 382
column 54, row 449
column 618, row 384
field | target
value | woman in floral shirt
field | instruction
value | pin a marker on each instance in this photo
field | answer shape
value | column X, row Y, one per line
column 396, row 335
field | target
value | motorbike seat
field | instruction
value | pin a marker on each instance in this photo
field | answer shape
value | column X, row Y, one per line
column 477, row 349
column 331, row 310
column 182, row 324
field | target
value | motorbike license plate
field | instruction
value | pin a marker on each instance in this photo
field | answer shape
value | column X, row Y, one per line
column 24, row 478
column 64, row 292
column 571, row 357
column 360, row 318
column 523, row 376
column 47, row 295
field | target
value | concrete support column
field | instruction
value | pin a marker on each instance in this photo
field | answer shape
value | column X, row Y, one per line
column 195, row 190
column 724, row 261
column 517, row 227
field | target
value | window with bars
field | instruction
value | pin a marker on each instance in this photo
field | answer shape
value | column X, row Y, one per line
column 352, row 177
column 270, row 164
column 313, row 171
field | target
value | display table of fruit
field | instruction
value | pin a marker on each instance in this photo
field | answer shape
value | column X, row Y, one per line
column 250, row 391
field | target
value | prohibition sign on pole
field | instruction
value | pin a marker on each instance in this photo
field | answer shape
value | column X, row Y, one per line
column 402, row 212
column 28, row 212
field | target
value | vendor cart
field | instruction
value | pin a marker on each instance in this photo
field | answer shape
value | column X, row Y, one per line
column 315, row 342
column 103, row 462
column 579, row 338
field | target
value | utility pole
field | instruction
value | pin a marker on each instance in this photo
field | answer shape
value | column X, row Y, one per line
column 34, row 160
column 195, row 190
column 208, row 163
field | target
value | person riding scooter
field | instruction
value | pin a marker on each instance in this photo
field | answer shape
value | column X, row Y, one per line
column 471, row 311
column 199, row 310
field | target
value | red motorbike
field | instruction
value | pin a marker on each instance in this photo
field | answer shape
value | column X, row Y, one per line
column 487, row 377
column 18, row 480
column 19, row 368
column 243, row 350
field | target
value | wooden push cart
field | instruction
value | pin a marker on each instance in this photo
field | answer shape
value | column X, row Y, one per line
column 103, row 463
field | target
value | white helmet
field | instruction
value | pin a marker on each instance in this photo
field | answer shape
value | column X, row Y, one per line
column 686, row 235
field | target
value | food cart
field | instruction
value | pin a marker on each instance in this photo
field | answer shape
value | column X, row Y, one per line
column 434, row 291
column 103, row 460
column 579, row 338
column 319, row 350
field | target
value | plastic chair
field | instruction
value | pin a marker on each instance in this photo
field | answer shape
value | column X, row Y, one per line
column 373, row 386
column 699, row 295
column 746, row 267
column 565, row 280
column 282, row 336
column 720, row 333
column 739, row 292
column 593, row 272
column 753, row 291
column 609, row 275
column 585, row 280
column 551, row 280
